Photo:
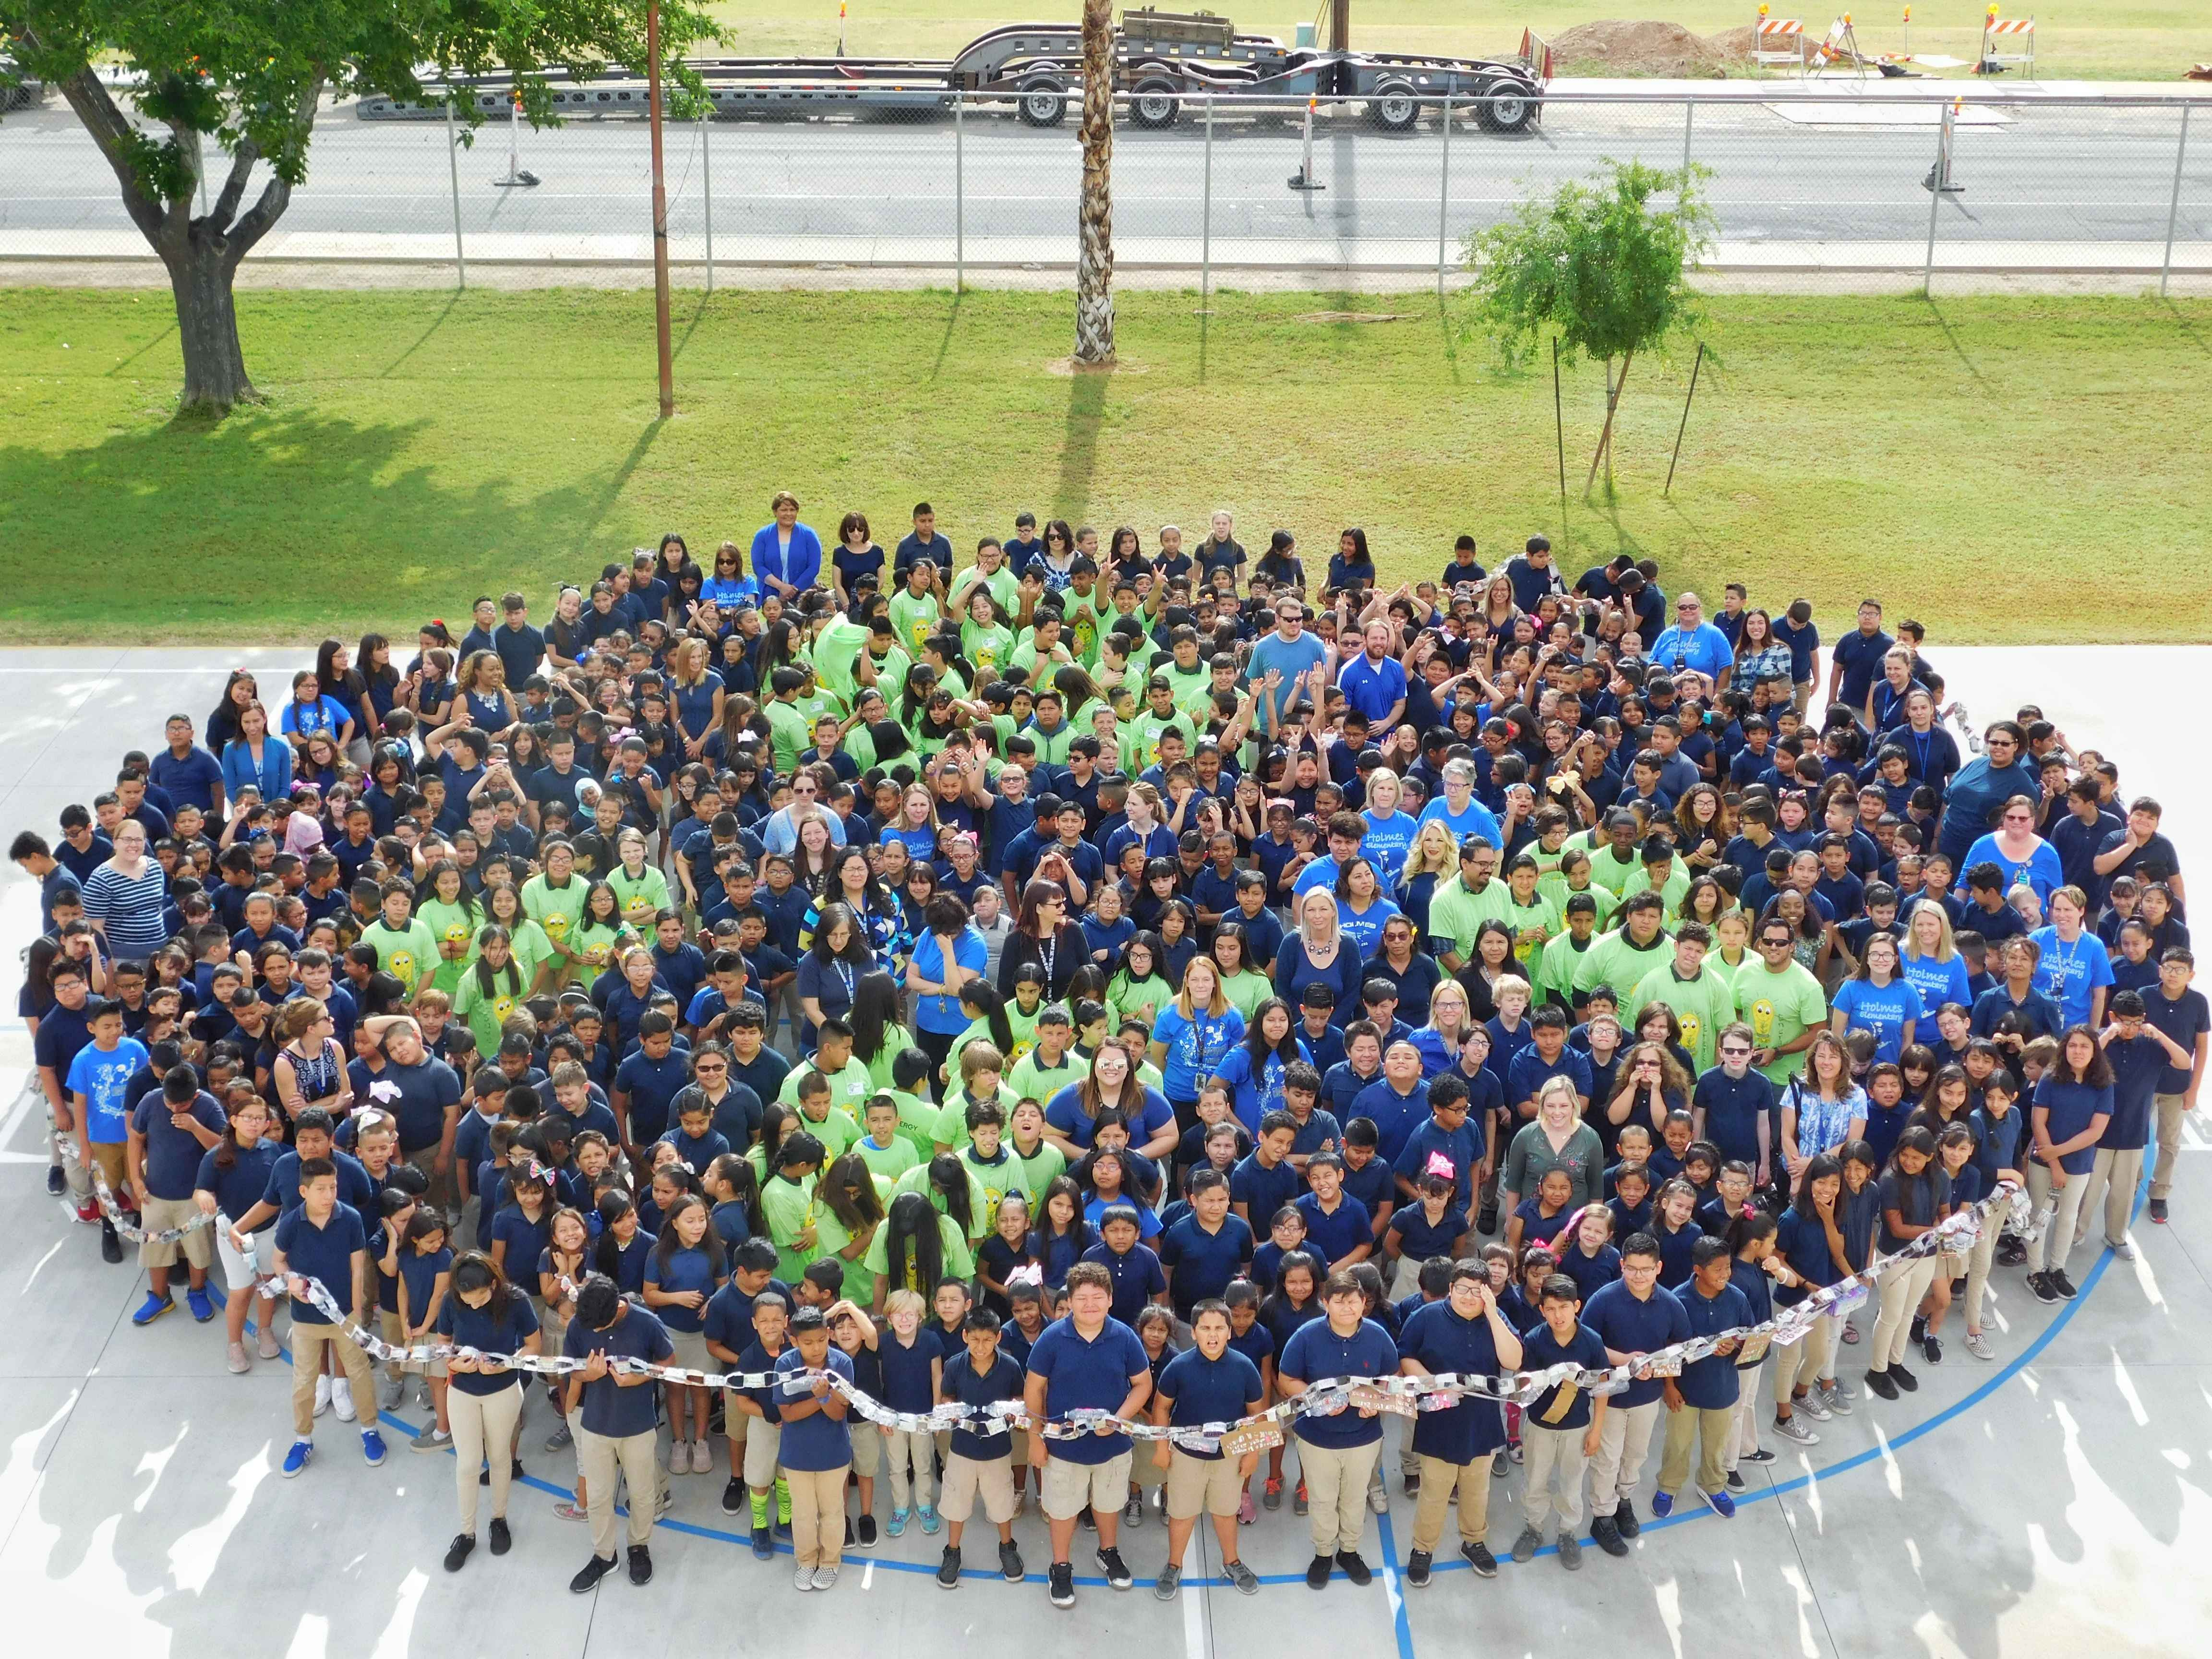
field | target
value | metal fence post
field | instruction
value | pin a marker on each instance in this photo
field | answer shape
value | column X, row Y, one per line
column 1689, row 120
column 706, row 191
column 453, row 167
column 1206, row 215
column 1938, row 176
column 2174, row 208
column 1443, row 195
column 959, row 201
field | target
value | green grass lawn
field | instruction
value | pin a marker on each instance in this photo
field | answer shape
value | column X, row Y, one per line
column 2008, row 470
column 2125, row 40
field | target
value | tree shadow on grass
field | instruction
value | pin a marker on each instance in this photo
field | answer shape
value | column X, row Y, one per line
column 272, row 522
column 1078, row 443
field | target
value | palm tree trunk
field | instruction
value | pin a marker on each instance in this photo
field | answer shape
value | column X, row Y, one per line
column 1094, row 269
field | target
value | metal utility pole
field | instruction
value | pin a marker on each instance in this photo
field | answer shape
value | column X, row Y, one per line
column 659, row 212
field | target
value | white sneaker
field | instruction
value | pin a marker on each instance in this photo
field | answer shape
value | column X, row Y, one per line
column 2124, row 1250
column 341, row 1398
column 825, row 1578
column 322, row 1396
column 802, row 1578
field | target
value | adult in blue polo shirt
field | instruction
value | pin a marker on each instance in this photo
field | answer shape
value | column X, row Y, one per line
column 1632, row 1316
column 1856, row 658
column 1692, row 642
column 191, row 775
column 1086, row 1362
column 1464, row 1334
column 615, row 1428
column 1373, row 683
column 1338, row 1442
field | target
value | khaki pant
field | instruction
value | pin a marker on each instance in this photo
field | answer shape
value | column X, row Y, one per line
column 1750, row 1395
column 2113, row 1183
column 1803, row 1363
column 1438, row 1479
column 868, row 1448
column 308, row 1342
column 2170, row 1113
column 113, row 1163
column 913, row 1459
column 2048, row 1254
column 1979, row 1262
column 1711, row 1430
column 441, row 1195
column 1336, row 1491
column 159, row 1214
column 483, row 1432
column 1200, row 1485
column 818, row 1515
column 1069, row 1486
column 1549, row 1455
column 1902, row 1286
column 598, row 1458
column 763, row 1440
column 965, row 1477
column 1626, row 1441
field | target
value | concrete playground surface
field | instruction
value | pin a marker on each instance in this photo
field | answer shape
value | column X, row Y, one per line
column 2046, row 1503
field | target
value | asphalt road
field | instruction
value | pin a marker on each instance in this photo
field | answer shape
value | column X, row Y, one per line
column 2052, row 176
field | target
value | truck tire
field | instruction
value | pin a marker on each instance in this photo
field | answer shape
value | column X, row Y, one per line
column 1394, row 108
column 1153, row 103
column 1506, row 106
column 1043, row 101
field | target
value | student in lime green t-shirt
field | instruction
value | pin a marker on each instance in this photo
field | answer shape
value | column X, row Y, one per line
column 790, row 1208
column 1049, row 1066
column 405, row 947
column 850, row 1081
column 945, row 1181
column 989, row 1160
column 599, row 936
column 449, row 910
column 491, row 988
column 1041, row 1162
column 984, row 637
column 810, row 1092
column 848, row 1213
column 887, row 1153
column 981, row 1072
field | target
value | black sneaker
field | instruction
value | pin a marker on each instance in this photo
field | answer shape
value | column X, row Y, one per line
column 1904, row 1379
column 2044, row 1289
column 2011, row 1252
column 1933, row 1347
column 1605, row 1533
column 1088, row 1521
column 1417, row 1567
column 1919, row 1330
column 2061, row 1283
column 1624, row 1518
column 111, row 1242
column 1414, row 1484
column 1480, row 1558
column 1117, row 1572
column 733, row 1496
column 1010, row 1563
column 1757, row 1454
column 502, row 1540
column 2157, row 1205
column 1883, row 1383
column 1317, row 1572
column 513, row 1473
column 1735, row 1481
column 865, row 1529
column 640, row 1565
column 1061, row 1584
column 1486, row 1222
column 58, row 1183
column 595, row 1570
column 1355, row 1569
column 458, row 1551
column 948, row 1569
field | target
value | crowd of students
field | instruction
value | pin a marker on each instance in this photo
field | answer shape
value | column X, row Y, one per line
column 1093, row 974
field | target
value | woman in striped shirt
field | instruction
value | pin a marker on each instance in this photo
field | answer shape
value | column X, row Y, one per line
column 127, row 897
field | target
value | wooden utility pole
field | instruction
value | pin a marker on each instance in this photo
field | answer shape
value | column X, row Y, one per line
column 659, row 212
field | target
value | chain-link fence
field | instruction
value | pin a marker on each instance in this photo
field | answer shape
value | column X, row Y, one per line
column 1808, row 181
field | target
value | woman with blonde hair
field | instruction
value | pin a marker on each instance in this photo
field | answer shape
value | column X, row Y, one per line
column 1317, row 953
column 1433, row 857
column 1193, row 1035
column 1931, row 959
column 696, row 693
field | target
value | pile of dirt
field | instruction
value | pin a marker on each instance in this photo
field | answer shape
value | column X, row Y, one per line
column 1736, row 45
column 1613, row 47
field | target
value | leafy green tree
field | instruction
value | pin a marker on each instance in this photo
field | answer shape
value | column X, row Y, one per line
column 248, row 79
column 1598, row 266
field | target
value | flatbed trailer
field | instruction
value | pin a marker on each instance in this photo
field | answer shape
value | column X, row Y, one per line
column 1162, row 61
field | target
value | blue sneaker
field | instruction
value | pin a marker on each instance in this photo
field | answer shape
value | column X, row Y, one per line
column 152, row 1308
column 372, row 1446
column 296, row 1459
column 1662, row 1503
column 202, row 1308
column 896, row 1525
column 1720, row 1504
column 929, row 1521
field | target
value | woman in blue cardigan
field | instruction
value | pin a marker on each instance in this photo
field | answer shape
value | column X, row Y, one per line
column 787, row 555
column 257, row 758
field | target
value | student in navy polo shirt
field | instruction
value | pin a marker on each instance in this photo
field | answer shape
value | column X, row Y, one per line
column 1737, row 1107
column 815, row 1447
column 1701, row 1403
column 2140, row 1054
column 1450, row 1142
column 1563, row 1428
column 1208, row 1383
column 1206, row 1249
column 171, row 1129
column 616, row 1430
column 2072, row 1109
column 979, row 1375
column 324, row 1240
column 1466, row 1335
column 1338, row 1445
column 1263, row 1182
column 1338, row 1228
column 483, row 1399
column 1087, row 1362
column 1139, row 1280
column 1633, row 1316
